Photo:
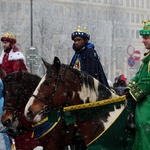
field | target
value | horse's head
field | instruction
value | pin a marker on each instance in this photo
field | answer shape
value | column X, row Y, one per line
column 50, row 93
column 18, row 87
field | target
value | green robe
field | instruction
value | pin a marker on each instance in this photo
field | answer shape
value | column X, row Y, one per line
column 140, row 91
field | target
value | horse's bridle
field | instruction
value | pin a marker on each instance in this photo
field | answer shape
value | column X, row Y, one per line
column 15, row 108
column 21, row 129
column 46, row 108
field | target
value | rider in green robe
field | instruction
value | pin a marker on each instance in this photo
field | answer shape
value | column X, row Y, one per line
column 140, row 92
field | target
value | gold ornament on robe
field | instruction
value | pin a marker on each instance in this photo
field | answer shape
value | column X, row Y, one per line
column 149, row 66
column 77, row 64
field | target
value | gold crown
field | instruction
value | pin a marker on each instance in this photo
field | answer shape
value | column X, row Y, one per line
column 7, row 35
column 79, row 29
column 146, row 27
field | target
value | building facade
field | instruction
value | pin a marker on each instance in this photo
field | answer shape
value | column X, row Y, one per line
column 113, row 25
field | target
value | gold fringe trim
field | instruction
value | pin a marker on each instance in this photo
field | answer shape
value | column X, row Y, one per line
column 50, row 128
column 95, row 104
column 148, row 66
column 42, row 121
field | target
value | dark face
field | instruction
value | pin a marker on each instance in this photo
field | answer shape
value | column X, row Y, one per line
column 79, row 42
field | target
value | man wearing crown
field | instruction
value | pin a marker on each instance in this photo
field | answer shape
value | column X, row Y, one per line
column 11, row 58
column 85, row 57
column 139, row 90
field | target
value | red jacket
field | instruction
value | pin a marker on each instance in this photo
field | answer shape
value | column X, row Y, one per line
column 12, row 61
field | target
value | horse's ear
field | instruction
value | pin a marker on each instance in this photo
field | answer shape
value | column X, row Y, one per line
column 47, row 65
column 57, row 64
column 19, row 74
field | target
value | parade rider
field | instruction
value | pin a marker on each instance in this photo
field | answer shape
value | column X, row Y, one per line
column 11, row 58
column 139, row 90
column 86, row 58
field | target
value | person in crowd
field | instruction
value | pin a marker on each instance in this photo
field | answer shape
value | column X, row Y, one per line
column 122, row 81
column 86, row 58
column 139, row 90
column 115, row 84
column 120, row 84
column 11, row 59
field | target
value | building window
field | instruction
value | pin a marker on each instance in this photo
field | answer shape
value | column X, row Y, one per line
column 106, row 15
column 137, row 34
column 127, row 3
column 128, row 17
column 116, row 33
column 148, row 17
column 110, row 1
column 142, row 3
column 132, row 17
column 127, row 33
column 121, row 2
column 121, row 33
column 99, row 14
column 132, row 34
column 147, row 4
column 137, row 18
column 132, row 3
column 137, row 3
column 142, row 18
column 99, row 1
column 105, row 1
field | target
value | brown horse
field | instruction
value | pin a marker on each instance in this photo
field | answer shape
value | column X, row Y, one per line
column 63, row 86
column 18, row 87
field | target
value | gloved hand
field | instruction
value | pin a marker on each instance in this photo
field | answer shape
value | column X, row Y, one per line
column 128, row 95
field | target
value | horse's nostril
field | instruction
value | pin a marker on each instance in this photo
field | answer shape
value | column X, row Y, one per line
column 7, row 123
column 29, row 115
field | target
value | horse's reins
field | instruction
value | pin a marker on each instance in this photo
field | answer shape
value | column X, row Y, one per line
column 14, row 109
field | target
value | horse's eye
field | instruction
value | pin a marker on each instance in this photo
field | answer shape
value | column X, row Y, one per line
column 49, row 77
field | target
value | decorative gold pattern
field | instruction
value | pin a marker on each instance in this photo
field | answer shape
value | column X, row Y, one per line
column 79, row 29
column 95, row 104
column 7, row 35
column 136, row 92
column 145, row 26
column 148, row 66
column 77, row 64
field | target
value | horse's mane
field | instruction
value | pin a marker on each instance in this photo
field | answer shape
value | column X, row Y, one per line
column 26, row 75
column 83, row 76
column 90, row 82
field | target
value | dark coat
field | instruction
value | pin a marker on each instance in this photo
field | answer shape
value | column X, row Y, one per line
column 90, row 62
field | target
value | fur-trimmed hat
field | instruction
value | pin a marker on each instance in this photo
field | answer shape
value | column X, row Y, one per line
column 9, row 38
column 80, row 33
